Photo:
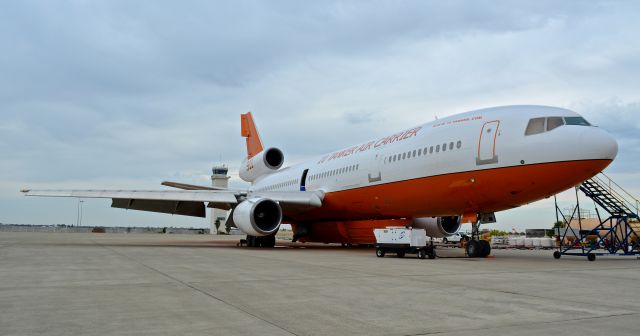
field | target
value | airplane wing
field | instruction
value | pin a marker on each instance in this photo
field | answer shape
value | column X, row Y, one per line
column 186, row 186
column 187, row 202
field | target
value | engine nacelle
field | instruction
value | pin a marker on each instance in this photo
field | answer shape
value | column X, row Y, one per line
column 438, row 227
column 258, row 216
column 265, row 162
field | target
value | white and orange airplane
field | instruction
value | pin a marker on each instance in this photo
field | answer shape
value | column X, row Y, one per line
column 437, row 175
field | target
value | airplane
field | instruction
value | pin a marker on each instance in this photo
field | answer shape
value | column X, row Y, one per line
column 436, row 176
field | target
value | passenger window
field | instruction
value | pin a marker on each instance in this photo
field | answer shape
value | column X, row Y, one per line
column 451, row 145
column 437, row 148
column 459, row 144
column 444, row 146
column 554, row 122
column 535, row 126
column 404, row 156
column 419, row 151
column 431, row 150
column 425, row 150
column 414, row 153
column 580, row 121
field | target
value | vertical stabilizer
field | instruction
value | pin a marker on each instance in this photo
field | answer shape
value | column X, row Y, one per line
column 249, row 131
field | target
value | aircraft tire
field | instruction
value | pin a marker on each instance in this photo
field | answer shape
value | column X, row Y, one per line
column 486, row 248
column 422, row 254
column 269, row 241
column 380, row 252
column 251, row 241
column 473, row 249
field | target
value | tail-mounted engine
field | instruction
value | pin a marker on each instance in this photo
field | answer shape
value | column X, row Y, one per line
column 265, row 162
column 258, row 216
column 438, row 227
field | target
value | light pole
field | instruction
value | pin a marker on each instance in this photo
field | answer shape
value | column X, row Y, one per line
column 79, row 217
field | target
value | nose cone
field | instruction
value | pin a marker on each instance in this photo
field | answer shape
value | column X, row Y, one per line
column 598, row 144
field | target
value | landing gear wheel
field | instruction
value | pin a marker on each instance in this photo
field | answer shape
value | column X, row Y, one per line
column 432, row 255
column 268, row 241
column 557, row 254
column 591, row 256
column 400, row 254
column 486, row 248
column 473, row 249
column 422, row 254
column 380, row 252
column 251, row 241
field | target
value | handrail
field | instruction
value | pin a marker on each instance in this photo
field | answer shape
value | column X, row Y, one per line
column 619, row 187
column 615, row 193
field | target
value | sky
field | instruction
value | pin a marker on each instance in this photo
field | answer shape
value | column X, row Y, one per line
column 126, row 94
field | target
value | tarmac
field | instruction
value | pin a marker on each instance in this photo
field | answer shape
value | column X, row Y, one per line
column 146, row 284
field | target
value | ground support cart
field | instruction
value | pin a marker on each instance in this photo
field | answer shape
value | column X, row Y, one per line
column 402, row 240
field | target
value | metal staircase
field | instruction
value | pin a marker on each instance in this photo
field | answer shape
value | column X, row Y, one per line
column 618, row 234
column 610, row 196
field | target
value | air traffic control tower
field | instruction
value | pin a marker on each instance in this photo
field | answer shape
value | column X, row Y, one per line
column 219, row 179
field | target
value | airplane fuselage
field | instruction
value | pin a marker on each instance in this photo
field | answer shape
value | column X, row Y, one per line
column 477, row 162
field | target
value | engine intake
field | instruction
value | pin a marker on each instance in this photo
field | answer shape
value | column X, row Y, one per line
column 438, row 227
column 258, row 216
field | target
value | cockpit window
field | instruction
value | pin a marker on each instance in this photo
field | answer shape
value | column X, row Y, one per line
column 535, row 126
column 580, row 121
column 540, row 125
column 554, row 122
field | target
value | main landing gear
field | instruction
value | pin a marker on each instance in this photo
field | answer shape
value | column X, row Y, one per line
column 476, row 247
column 266, row 241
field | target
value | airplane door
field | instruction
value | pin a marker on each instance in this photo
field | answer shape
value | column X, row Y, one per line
column 374, row 174
column 303, row 180
column 487, row 143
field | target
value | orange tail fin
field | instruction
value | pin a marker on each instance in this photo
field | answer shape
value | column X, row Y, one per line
column 249, row 131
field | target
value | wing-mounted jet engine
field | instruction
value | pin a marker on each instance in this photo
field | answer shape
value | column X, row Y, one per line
column 438, row 227
column 258, row 216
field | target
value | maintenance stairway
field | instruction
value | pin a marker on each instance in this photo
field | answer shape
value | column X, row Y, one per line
column 603, row 191
column 618, row 234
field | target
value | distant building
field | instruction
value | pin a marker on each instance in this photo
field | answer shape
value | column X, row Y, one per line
column 539, row 233
column 219, row 179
